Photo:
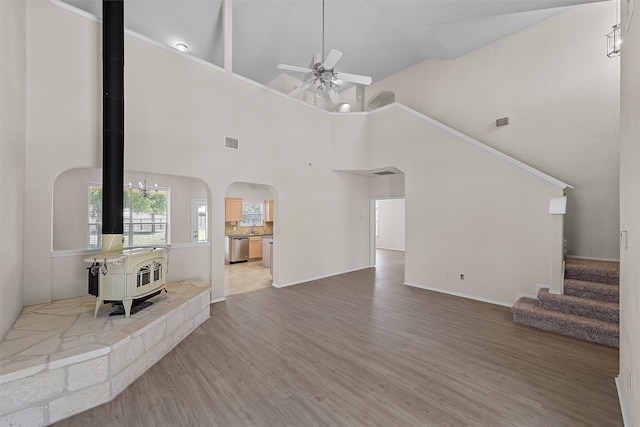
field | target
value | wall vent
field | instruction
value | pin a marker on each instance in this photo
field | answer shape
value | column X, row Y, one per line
column 381, row 173
column 231, row 142
column 502, row 122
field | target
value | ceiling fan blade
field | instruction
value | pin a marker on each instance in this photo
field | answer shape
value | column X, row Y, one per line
column 334, row 95
column 332, row 59
column 300, row 89
column 294, row 68
column 354, row 78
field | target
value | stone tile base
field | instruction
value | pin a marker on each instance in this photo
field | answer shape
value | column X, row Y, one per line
column 58, row 360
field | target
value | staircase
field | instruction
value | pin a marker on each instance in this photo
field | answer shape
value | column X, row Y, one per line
column 589, row 308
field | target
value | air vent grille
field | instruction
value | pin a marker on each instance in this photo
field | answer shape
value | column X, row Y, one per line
column 230, row 142
column 381, row 173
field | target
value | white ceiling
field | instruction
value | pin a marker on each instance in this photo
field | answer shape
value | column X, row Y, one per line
column 378, row 37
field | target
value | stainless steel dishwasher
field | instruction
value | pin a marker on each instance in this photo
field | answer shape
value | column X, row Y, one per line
column 238, row 249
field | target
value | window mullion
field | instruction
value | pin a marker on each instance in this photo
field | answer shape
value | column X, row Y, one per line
column 130, row 228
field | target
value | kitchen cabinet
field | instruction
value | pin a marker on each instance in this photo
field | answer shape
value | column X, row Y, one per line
column 232, row 210
column 255, row 247
column 267, row 247
column 268, row 210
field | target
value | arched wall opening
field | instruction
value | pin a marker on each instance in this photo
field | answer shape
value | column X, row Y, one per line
column 249, row 239
column 73, row 227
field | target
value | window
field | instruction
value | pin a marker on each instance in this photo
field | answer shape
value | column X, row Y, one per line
column 252, row 214
column 145, row 219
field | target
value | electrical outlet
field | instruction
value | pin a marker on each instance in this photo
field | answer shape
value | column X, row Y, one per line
column 462, row 277
column 486, row 281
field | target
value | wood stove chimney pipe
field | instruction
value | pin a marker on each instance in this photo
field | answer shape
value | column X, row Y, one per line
column 113, row 124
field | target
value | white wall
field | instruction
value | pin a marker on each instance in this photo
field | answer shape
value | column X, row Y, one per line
column 178, row 112
column 70, row 207
column 467, row 211
column 629, row 378
column 12, row 148
column 561, row 93
column 63, row 124
column 391, row 224
column 253, row 192
column 386, row 186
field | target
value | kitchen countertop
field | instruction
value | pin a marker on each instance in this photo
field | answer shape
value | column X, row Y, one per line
column 249, row 235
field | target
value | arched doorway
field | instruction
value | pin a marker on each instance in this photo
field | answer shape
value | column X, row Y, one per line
column 249, row 231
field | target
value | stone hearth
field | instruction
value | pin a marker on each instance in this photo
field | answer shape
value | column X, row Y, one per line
column 58, row 360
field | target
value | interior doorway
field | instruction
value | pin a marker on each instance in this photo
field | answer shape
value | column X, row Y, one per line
column 250, row 220
column 388, row 228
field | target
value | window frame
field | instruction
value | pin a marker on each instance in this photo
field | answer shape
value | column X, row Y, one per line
column 252, row 223
column 128, row 219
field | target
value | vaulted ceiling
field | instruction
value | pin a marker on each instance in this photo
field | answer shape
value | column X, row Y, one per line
column 378, row 37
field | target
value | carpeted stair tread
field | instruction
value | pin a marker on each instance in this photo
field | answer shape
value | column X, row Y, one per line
column 585, row 307
column 592, row 290
column 527, row 312
column 592, row 271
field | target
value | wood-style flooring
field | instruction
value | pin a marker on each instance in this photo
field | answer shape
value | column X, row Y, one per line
column 362, row 349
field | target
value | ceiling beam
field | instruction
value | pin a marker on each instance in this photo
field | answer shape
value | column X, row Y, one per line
column 227, row 35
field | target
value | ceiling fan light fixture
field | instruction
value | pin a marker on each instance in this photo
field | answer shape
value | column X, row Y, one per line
column 323, row 79
column 343, row 108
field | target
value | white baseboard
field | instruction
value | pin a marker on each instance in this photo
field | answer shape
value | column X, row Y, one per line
column 518, row 296
column 460, row 294
column 215, row 300
column 623, row 404
column 284, row 285
column 592, row 258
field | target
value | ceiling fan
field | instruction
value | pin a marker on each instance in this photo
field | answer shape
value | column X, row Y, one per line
column 323, row 77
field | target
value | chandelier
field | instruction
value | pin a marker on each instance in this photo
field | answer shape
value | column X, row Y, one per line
column 143, row 189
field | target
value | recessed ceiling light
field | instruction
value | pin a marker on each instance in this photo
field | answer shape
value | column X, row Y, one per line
column 182, row 47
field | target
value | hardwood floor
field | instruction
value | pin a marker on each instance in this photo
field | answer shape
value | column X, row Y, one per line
column 361, row 349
